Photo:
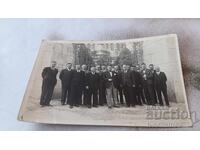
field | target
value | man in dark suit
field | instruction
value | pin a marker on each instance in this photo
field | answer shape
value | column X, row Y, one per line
column 92, row 82
column 151, row 68
column 127, row 85
column 148, row 85
column 102, row 86
column 139, row 89
column 111, row 87
column 77, row 84
column 119, row 85
column 98, row 71
column 66, row 77
column 161, row 86
column 136, row 80
column 48, row 84
column 85, row 91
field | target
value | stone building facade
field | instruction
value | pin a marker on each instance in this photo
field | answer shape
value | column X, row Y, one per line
column 136, row 49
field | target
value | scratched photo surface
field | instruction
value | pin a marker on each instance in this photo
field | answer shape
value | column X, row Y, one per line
column 21, row 38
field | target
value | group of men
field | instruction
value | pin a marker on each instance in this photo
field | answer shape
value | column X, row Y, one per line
column 106, row 85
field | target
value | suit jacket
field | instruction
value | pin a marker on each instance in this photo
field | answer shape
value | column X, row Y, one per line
column 78, row 79
column 66, row 77
column 136, row 78
column 92, row 81
column 85, row 77
column 126, row 79
column 102, row 79
column 115, row 79
column 160, row 80
column 49, row 75
column 149, row 76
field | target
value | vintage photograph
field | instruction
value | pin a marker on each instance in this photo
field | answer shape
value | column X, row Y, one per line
column 130, row 82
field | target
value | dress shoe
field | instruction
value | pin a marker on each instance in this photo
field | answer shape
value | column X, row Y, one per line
column 116, row 106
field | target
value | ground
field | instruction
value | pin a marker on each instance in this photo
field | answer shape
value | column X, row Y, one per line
column 176, row 115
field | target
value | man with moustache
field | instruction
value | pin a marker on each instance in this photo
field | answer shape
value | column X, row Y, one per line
column 66, row 77
column 48, row 84
column 77, row 85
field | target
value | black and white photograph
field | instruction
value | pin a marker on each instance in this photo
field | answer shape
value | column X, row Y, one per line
column 130, row 82
column 121, row 74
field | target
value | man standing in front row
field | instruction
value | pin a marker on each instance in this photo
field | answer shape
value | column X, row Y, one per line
column 48, row 84
column 111, row 87
column 135, row 78
column 127, row 85
column 148, row 84
column 85, row 91
column 151, row 68
column 119, row 84
column 66, row 77
column 102, row 86
column 92, row 85
column 160, row 80
column 139, row 92
column 77, row 85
